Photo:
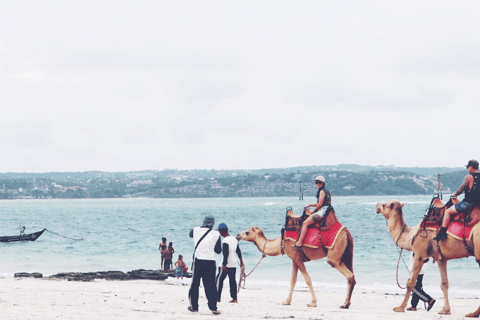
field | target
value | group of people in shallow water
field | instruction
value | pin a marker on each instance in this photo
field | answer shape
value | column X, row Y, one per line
column 208, row 242
column 166, row 259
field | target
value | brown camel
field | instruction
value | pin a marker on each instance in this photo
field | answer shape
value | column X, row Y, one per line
column 422, row 244
column 339, row 257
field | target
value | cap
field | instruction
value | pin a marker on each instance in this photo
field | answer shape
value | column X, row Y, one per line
column 320, row 178
column 222, row 227
column 209, row 221
column 473, row 163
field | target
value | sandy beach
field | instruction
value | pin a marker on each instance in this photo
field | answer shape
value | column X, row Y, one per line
column 29, row 298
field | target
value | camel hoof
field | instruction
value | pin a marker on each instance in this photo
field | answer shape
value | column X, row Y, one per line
column 399, row 309
column 345, row 306
column 312, row 305
column 286, row 303
column 444, row 312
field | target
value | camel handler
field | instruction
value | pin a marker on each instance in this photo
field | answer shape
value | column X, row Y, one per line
column 230, row 247
column 324, row 200
column 207, row 243
column 471, row 187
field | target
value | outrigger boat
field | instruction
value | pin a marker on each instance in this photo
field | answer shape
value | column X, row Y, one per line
column 23, row 237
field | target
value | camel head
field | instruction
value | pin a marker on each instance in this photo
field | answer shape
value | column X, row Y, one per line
column 250, row 234
column 389, row 209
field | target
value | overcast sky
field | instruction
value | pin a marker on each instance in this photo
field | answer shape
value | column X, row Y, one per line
column 135, row 85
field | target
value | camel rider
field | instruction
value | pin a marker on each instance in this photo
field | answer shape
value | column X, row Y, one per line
column 471, row 187
column 324, row 200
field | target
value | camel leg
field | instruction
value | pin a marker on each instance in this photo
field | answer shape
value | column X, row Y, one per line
column 308, row 280
column 442, row 266
column 350, row 281
column 293, row 281
column 474, row 314
column 417, row 266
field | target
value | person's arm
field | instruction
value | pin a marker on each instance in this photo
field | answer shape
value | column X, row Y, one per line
column 239, row 253
column 463, row 187
column 320, row 201
column 225, row 250
column 218, row 246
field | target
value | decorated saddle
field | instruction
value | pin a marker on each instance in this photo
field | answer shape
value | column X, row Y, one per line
column 321, row 234
column 459, row 226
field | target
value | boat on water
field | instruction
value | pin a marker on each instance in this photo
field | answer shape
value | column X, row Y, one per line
column 22, row 236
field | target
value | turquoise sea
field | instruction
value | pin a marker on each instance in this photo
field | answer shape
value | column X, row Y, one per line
column 124, row 234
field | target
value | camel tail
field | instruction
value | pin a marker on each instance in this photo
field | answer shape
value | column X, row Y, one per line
column 347, row 257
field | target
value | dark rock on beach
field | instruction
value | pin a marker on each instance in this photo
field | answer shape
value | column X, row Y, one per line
column 28, row 275
column 139, row 274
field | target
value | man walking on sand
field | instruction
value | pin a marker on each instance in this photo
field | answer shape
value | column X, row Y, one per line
column 207, row 243
column 229, row 265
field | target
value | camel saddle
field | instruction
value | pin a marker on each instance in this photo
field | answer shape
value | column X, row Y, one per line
column 293, row 222
column 436, row 211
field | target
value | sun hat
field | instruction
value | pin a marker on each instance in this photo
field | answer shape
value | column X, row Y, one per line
column 209, row 221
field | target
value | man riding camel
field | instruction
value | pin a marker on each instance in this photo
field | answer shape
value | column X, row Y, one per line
column 471, row 187
column 324, row 200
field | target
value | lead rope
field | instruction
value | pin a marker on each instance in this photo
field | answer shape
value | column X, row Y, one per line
column 399, row 256
column 64, row 236
column 243, row 276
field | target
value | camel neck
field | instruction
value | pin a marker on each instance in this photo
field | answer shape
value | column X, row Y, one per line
column 269, row 247
column 401, row 233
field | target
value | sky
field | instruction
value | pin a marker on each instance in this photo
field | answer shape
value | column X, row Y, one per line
column 150, row 85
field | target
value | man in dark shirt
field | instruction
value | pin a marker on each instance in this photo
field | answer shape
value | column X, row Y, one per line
column 471, row 187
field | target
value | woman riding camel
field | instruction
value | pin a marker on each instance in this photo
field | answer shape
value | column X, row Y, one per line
column 324, row 200
column 471, row 187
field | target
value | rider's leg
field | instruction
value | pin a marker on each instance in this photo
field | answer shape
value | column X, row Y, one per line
column 442, row 233
column 303, row 234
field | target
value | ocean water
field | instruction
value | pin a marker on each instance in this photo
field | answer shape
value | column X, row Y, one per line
column 124, row 234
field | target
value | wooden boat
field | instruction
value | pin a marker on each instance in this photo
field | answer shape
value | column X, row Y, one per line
column 23, row 237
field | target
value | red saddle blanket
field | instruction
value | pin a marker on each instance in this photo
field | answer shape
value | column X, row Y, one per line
column 316, row 238
column 455, row 229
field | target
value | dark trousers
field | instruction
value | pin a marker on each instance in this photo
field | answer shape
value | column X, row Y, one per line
column 231, row 278
column 205, row 270
column 418, row 293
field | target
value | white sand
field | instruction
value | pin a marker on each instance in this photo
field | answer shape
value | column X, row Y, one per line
column 61, row 299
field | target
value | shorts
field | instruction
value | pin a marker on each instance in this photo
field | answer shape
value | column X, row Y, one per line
column 320, row 213
column 179, row 272
column 464, row 206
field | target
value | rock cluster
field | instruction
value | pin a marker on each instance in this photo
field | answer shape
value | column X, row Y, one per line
column 139, row 274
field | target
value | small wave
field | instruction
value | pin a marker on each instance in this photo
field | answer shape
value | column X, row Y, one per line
column 269, row 203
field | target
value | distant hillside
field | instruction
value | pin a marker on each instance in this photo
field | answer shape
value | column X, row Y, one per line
column 345, row 179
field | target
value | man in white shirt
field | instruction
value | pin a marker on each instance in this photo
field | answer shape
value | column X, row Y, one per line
column 207, row 243
column 229, row 264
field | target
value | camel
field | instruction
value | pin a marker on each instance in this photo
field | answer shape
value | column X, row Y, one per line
column 423, row 246
column 339, row 257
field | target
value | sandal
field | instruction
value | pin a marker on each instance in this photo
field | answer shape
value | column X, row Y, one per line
column 215, row 312
column 430, row 304
column 297, row 246
column 412, row 309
